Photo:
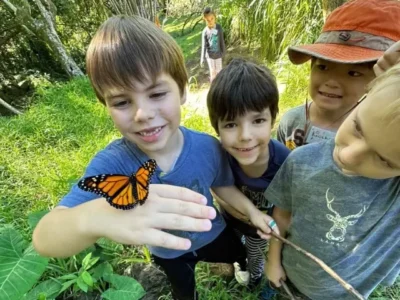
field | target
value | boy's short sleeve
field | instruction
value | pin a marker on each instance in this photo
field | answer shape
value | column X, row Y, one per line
column 224, row 175
column 279, row 192
column 102, row 163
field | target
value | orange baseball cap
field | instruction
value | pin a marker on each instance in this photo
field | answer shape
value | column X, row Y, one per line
column 359, row 31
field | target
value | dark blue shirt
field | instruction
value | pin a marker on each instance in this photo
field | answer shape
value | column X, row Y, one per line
column 254, row 188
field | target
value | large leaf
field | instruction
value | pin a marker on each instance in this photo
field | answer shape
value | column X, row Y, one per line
column 123, row 288
column 48, row 289
column 19, row 270
column 102, row 270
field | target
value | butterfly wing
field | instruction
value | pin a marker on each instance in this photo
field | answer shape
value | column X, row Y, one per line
column 141, row 180
column 122, row 191
column 116, row 188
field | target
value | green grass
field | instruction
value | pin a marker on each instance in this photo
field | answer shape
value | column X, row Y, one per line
column 190, row 41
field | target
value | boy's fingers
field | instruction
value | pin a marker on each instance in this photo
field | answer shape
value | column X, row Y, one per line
column 155, row 237
column 263, row 235
column 183, row 208
column 378, row 70
column 178, row 222
column 176, row 192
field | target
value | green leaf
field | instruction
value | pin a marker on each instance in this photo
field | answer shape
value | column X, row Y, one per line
column 87, row 278
column 86, row 260
column 123, row 288
column 82, row 285
column 92, row 262
column 19, row 270
column 101, row 270
column 48, row 289
column 34, row 218
column 109, row 245
column 67, row 284
column 68, row 277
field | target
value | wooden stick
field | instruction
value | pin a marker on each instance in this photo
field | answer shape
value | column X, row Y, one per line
column 287, row 290
column 324, row 266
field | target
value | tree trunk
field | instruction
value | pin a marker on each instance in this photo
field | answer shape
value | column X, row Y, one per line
column 44, row 29
column 330, row 5
column 143, row 8
column 49, row 34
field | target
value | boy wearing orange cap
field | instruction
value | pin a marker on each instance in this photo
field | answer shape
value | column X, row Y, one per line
column 353, row 38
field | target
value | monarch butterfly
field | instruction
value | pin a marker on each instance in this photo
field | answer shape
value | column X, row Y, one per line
column 121, row 191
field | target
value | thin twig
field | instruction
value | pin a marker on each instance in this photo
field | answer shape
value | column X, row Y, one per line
column 287, row 290
column 324, row 266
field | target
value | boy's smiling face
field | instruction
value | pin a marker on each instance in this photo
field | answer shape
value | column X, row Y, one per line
column 246, row 137
column 368, row 143
column 337, row 87
column 148, row 115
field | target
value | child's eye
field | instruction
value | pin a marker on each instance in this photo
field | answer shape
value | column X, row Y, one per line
column 259, row 121
column 229, row 125
column 120, row 103
column 384, row 161
column 355, row 74
column 322, row 67
column 357, row 129
column 158, row 95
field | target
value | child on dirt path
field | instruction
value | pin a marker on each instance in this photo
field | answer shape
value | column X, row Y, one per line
column 212, row 43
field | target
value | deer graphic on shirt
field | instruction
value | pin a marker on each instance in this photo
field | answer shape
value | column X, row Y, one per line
column 338, row 230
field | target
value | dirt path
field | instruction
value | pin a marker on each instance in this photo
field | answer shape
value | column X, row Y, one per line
column 197, row 100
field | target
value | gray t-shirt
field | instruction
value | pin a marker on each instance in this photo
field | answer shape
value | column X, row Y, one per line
column 294, row 130
column 350, row 222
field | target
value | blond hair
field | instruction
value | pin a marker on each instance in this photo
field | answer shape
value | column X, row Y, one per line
column 126, row 49
column 391, row 112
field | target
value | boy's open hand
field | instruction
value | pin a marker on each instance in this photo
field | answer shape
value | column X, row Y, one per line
column 389, row 59
column 167, row 207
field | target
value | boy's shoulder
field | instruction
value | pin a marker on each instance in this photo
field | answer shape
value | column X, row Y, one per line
column 278, row 152
column 200, row 138
column 312, row 154
column 294, row 114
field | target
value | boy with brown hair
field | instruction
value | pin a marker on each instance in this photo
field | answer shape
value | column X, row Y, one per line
column 354, row 36
column 138, row 73
column 212, row 43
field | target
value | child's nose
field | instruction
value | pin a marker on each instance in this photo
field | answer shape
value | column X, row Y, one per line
column 245, row 134
column 143, row 113
column 332, row 83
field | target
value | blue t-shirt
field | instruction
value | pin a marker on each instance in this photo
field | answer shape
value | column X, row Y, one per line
column 201, row 165
column 350, row 222
column 254, row 188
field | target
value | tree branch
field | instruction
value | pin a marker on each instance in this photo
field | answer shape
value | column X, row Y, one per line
column 324, row 266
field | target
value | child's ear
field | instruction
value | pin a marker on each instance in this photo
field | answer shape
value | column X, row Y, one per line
column 183, row 97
